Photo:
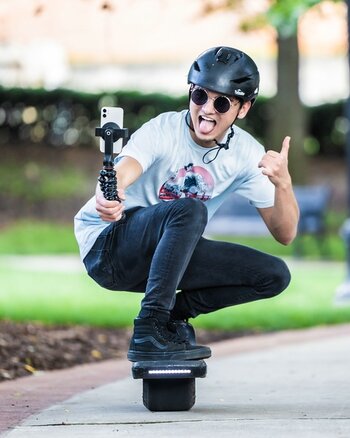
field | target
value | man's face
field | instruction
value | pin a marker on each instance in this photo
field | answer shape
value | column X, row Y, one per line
column 207, row 122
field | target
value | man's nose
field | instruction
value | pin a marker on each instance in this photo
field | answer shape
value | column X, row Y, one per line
column 208, row 106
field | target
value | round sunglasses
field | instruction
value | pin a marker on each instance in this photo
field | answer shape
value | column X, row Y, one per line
column 222, row 104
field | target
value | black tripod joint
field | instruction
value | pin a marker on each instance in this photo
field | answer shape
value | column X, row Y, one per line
column 110, row 133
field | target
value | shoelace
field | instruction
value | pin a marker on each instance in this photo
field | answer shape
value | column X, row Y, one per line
column 172, row 326
column 169, row 333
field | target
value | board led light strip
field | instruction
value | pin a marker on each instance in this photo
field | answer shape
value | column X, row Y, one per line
column 169, row 371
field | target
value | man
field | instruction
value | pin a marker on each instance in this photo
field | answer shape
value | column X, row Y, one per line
column 173, row 174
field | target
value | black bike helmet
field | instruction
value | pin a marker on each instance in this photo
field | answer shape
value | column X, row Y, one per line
column 228, row 71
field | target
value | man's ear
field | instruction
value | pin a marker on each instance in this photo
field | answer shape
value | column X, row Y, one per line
column 244, row 110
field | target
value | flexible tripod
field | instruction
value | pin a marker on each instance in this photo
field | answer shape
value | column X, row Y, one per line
column 110, row 132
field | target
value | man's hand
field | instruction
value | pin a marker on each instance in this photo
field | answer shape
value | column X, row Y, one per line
column 275, row 165
column 282, row 218
column 109, row 211
column 128, row 170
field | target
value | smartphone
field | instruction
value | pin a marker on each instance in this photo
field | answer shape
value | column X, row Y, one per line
column 116, row 115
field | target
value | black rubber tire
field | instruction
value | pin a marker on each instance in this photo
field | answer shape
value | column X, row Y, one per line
column 169, row 394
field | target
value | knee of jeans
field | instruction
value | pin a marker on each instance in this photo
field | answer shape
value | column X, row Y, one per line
column 278, row 278
column 194, row 209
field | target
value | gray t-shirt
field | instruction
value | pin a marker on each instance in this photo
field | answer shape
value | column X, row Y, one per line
column 173, row 167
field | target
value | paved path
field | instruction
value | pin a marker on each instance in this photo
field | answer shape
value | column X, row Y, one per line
column 288, row 384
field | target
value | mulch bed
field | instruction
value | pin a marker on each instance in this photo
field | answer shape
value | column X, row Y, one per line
column 26, row 348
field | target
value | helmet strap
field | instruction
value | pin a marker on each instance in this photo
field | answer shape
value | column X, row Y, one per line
column 188, row 123
column 218, row 147
column 226, row 144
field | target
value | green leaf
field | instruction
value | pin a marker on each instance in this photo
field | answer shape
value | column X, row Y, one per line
column 284, row 15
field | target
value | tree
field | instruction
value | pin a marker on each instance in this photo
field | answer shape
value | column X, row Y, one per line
column 286, row 112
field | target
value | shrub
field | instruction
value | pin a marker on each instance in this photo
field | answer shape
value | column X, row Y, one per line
column 64, row 118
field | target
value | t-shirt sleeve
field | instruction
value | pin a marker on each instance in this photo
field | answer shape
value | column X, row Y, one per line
column 259, row 191
column 144, row 145
column 256, row 186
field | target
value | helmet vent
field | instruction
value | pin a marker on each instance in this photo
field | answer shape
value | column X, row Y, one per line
column 241, row 80
column 223, row 55
column 196, row 66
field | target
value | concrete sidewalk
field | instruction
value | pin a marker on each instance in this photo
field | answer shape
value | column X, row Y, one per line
column 288, row 384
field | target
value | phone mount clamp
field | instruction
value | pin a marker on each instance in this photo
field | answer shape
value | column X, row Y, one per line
column 110, row 133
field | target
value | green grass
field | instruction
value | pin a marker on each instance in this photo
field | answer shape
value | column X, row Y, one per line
column 30, row 237
column 307, row 302
column 62, row 297
column 72, row 297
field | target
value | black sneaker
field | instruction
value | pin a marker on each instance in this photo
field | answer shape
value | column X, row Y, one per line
column 152, row 340
column 184, row 330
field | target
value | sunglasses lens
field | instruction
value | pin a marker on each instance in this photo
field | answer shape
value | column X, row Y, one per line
column 199, row 96
column 222, row 104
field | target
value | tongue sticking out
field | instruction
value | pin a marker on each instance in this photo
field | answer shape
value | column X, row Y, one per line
column 206, row 126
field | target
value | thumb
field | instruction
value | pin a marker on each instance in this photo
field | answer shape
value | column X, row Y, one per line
column 285, row 147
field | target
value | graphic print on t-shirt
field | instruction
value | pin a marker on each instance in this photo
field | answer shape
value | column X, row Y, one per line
column 189, row 182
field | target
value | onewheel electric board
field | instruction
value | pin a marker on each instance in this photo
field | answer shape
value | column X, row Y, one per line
column 169, row 385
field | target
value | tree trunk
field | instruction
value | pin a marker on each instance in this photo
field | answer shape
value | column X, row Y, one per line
column 287, row 116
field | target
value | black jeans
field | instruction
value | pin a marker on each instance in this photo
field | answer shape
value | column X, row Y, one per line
column 160, row 249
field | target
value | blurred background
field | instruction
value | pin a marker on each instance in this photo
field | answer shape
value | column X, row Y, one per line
column 60, row 62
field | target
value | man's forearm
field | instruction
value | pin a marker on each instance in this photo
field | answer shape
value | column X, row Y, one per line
column 285, row 215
